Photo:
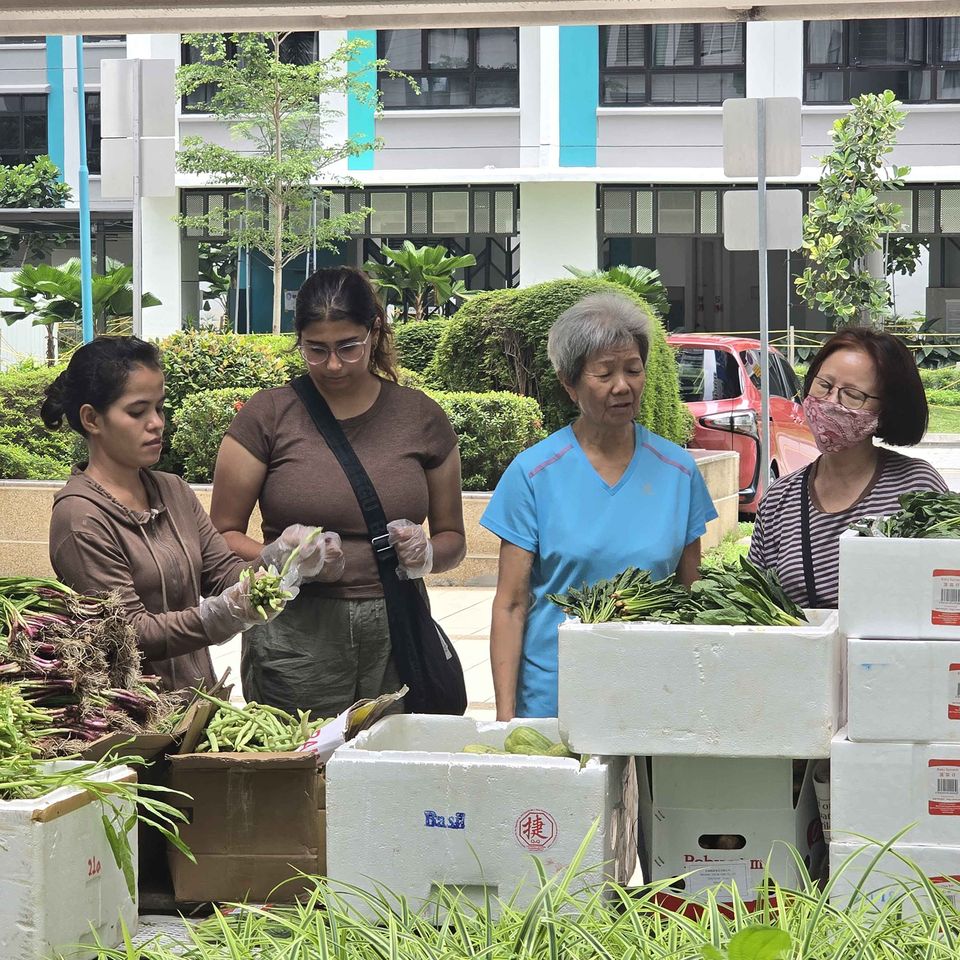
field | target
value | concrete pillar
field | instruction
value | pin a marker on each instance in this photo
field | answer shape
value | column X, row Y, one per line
column 558, row 226
column 161, row 265
column 775, row 58
column 71, row 126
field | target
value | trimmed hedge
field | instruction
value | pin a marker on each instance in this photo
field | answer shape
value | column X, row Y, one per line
column 493, row 428
column 942, row 378
column 943, row 398
column 21, row 393
column 199, row 426
column 498, row 341
column 16, row 463
column 417, row 341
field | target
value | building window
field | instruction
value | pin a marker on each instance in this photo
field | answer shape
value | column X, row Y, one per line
column 453, row 68
column 104, row 38
column 669, row 63
column 296, row 48
column 18, row 41
column 92, row 115
column 23, row 127
column 918, row 59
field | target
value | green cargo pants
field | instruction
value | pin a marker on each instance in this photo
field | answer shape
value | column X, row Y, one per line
column 321, row 655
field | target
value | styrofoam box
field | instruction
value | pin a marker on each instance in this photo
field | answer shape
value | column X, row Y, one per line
column 693, row 809
column 899, row 589
column 891, row 877
column 903, row 690
column 59, row 883
column 877, row 789
column 651, row 689
column 408, row 812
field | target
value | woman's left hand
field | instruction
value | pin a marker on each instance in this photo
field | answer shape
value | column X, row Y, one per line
column 414, row 549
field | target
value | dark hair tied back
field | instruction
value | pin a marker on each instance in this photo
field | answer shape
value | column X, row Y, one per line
column 96, row 375
column 344, row 293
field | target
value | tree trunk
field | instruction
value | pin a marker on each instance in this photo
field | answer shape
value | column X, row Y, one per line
column 277, row 213
column 51, row 352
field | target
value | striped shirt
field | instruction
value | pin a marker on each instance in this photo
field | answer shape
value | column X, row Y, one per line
column 776, row 541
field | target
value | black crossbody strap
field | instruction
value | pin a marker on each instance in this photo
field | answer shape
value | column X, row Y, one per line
column 364, row 490
column 809, row 579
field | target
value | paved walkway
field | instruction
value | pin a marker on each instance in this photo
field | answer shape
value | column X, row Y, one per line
column 463, row 612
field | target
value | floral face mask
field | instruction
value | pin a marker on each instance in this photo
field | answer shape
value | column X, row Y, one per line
column 835, row 427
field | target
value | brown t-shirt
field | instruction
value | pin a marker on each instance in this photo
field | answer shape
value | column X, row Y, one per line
column 401, row 436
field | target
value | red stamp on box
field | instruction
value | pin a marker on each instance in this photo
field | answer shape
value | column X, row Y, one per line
column 535, row 830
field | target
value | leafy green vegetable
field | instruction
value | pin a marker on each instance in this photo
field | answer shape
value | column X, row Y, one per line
column 923, row 514
column 737, row 594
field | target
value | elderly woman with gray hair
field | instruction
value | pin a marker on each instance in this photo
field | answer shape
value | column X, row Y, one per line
column 594, row 498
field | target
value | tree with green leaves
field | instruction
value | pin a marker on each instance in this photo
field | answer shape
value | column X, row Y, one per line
column 419, row 279
column 278, row 111
column 643, row 281
column 33, row 185
column 847, row 226
column 49, row 296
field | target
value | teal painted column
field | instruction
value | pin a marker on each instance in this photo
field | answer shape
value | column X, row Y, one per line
column 55, row 101
column 361, row 122
column 579, row 95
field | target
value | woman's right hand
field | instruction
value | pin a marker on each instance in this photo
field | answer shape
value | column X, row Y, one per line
column 328, row 567
column 232, row 611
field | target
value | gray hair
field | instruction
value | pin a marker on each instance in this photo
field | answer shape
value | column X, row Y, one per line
column 598, row 322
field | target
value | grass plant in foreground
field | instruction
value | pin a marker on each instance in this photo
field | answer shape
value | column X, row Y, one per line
column 566, row 921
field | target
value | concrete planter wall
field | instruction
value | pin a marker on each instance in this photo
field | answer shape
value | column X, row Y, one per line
column 25, row 507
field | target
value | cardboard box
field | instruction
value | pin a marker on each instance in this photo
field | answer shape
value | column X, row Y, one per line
column 411, row 812
column 256, row 820
column 726, row 820
column 59, row 883
column 899, row 589
column 650, row 689
column 890, row 877
column 877, row 789
column 903, row 690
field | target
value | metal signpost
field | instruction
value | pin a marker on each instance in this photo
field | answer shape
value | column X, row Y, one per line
column 137, row 148
column 761, row 138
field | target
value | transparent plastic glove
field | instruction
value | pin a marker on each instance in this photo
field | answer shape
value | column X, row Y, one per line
column 414, row 549
column 310, row 558
column 333, row 564
column 232, row 611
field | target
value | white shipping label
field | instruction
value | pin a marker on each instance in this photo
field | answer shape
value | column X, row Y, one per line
column 945, row 608
column 953, row 692
column 725, row 872
column 944, row 786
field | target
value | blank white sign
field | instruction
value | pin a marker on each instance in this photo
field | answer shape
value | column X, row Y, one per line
column 741, row 220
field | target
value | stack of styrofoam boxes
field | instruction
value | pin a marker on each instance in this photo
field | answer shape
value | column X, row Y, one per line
column 897, row 763
column 59, row 884
column 722, row 718
column 409, row 813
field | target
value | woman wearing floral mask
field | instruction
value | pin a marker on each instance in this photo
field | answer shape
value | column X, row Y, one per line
column 863, row 384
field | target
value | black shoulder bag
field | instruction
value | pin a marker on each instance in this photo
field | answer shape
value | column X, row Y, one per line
column 424, row 655
column 809, row 578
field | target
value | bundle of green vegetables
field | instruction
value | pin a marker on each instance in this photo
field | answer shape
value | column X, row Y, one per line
column 76, row 658
column 737, row 594
column 255, row 728
column 25, row 776
column 523, row 741
column 925, row 514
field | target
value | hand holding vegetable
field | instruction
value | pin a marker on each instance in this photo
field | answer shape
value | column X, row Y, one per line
column 329, row 563
column 414, row 549
column 299, row 547
column 254, row 598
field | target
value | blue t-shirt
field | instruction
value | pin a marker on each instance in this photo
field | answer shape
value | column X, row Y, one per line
column 553, row 503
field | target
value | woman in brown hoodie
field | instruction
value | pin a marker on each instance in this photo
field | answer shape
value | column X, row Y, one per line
column 118, row 526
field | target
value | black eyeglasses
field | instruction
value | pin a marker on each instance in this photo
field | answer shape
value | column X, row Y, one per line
column 848, row 397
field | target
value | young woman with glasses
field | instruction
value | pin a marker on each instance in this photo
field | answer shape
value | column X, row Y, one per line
column 863, row 384
column 331, row 646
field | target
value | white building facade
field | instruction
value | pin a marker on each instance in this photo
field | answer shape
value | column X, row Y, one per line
column 535, row 148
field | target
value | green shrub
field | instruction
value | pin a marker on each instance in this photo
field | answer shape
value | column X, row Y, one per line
column 417, row 341
column 194, row 362
column 16, row 463
column 283, row 346
column 21, row 393
column 493, row 428
column 943, row 398
column 498, row 341
column 199, row 426
column 943, row 378
column 410, row 378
